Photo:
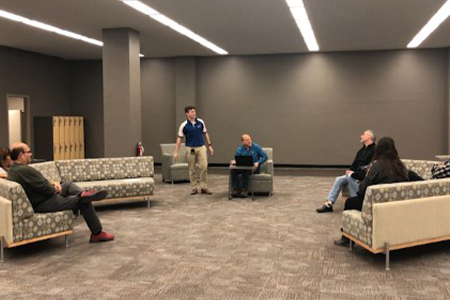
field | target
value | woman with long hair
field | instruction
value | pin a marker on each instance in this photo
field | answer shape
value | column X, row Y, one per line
column 5, row 161
column 386, row 167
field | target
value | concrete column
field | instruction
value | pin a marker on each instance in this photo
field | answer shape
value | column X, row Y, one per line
column 448, row 103
column 121, row 91
column 185, row 86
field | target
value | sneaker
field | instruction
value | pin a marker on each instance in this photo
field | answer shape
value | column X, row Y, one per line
column 101, row 237
column 206, row 191
column 92, row 195
column 194, row 191
column 244, row 193
column 327, row 207
column 343, row 241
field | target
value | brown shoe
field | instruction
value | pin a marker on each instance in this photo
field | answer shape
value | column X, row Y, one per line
column 206, row 191
column 194, row 191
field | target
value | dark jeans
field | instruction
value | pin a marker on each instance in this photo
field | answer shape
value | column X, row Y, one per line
column 238, row 184
column 70, row 199
column 354, row 203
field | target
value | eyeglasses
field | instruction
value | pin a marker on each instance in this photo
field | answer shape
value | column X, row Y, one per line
column 29, row 151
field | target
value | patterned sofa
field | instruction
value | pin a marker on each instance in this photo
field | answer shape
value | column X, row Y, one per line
column 125, row 179
column 401, row 215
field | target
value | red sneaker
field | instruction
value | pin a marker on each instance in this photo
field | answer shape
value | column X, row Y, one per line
column 93, row 195
column 101, row 237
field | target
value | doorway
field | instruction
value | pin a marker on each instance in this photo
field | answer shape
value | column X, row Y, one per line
column 18, row 119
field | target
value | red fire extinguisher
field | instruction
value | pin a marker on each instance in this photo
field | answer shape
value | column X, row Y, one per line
column 139, row 149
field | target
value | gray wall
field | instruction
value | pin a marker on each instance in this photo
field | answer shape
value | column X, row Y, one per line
column 158, row 104
column 86, row 86
column 311, row 108
column 44, row 79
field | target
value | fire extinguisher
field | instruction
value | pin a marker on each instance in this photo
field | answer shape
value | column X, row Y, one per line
column 139, row 149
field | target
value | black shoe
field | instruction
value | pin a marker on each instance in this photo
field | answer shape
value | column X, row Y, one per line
column 343, row 241
column 325, row 208
column 235, row 193
column 244, row 194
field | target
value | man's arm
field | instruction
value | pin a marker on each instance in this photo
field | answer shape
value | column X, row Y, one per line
column 37, row 182
column 208, row 141
column 177, row 148
column 262, row 156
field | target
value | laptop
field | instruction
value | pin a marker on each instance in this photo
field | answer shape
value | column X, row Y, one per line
column 244, row 161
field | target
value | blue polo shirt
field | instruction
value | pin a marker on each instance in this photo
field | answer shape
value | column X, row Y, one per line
column 255, row 151
column 193, row 132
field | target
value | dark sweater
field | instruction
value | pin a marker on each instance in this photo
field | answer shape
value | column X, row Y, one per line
column 37, row 188
column 362, row 160
column 377, row 175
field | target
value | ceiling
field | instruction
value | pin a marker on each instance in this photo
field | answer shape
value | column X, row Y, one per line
column 241, row 27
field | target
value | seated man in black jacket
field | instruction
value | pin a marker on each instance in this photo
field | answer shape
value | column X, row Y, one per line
column 50, row 197
column 356, row 173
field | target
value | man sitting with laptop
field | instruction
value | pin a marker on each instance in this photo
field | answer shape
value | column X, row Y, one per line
column 248, row 154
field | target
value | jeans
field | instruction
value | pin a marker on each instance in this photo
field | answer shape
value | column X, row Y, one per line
column 238, row 184
column 339, row 184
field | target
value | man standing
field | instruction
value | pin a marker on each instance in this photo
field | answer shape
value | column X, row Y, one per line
column 356, row 173
column 194, row 130
column 240, row 188
column 50, row 197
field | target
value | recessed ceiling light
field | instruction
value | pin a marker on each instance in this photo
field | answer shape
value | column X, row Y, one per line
column 147, row 10
column 432, row 24
column 301, row 18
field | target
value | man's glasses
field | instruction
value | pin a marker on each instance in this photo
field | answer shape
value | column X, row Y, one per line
column 29, row 151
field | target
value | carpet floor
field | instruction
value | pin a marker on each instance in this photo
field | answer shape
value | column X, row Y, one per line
column 206, row 247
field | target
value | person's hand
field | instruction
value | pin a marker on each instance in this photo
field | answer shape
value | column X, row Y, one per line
column 57, row 187
column 256, row 165
column 175, row 156
column 233, row 162
column 211, row 149
column 3, row 175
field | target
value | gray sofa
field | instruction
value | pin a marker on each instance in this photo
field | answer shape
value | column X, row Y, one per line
column 401, row 215
column 125, row 179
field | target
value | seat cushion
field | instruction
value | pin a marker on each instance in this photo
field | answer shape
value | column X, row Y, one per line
column 264, row 177
column 120, row 188
column 353, row 224
column 41, row 224
column 179, row 166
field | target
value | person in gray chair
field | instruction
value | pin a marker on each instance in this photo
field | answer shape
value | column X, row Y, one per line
column 248, row 148
column 356, row 173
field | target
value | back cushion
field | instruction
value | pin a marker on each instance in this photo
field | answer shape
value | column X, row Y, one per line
column 49, row 170
column 105, row 168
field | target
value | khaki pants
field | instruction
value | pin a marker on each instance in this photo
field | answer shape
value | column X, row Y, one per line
column 197, row 156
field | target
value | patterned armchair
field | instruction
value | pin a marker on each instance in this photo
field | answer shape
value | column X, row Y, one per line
column 20, row 225
column 400, row 215
column 263, row 182
column 171, row 170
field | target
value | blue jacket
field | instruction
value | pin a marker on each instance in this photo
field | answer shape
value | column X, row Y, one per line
column 255, row 151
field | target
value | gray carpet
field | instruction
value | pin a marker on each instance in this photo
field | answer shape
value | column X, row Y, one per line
column 206, row 247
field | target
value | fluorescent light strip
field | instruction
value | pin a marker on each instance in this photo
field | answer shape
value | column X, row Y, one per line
column 301, row 18
column 147, row 10
column 43, row 26
column 46, row 27
column 432, row 24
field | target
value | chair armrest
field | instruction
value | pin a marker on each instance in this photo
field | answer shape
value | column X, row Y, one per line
column 6, row 225
column 167, row 161
column 270, row 167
